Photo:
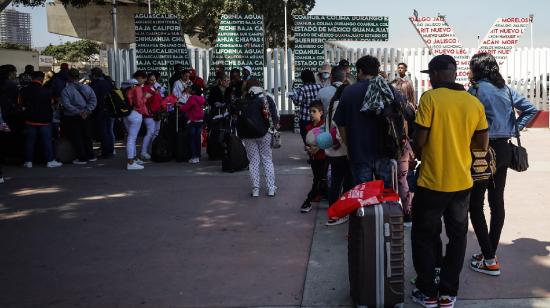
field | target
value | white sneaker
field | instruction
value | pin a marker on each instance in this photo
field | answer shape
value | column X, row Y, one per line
column 138, row 161
column 28, row 164
column 54, row 164
column 92, row 159
column 145, row 156
column 335, row 222
column 79, row 162
column 134, row 166
column 1, row 180
column 272, row 191
column 255, row 192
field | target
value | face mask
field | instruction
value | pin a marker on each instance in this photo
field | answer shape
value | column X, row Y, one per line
column 325, row 75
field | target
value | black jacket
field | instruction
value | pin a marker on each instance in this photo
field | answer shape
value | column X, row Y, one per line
column 37, row 102
column 102, row 87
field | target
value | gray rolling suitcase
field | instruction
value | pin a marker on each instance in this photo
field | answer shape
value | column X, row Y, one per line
column 376, row 254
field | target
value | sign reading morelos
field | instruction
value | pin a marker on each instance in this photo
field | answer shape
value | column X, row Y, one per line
column 159, row 43
column 441, row 39
column 312, row 31
column 240, row 42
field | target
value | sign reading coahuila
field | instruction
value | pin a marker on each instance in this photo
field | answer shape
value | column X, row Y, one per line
column 159, row 43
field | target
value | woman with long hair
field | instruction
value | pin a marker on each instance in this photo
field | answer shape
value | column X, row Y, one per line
column 500, row 102
column 137, row 100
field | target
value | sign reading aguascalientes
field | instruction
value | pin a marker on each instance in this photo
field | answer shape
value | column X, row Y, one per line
column 159, row 43
column 240, row 42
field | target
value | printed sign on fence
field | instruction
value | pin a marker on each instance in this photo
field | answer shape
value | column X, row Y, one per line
column 312, row 31
column 240, row 42
column 441, row 39
column 159, row 43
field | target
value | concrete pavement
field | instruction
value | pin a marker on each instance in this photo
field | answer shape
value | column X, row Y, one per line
column 175, row 235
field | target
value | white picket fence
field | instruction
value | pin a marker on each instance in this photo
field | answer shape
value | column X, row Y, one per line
column 526, row 70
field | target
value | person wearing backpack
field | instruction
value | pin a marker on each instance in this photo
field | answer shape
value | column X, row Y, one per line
column 102, row 119
column 337, row 154
column 78, row 102
column 252, row 127
column 500, row 102
column 137, row 100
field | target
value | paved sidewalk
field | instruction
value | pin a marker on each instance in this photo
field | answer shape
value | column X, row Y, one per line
column 175, row 235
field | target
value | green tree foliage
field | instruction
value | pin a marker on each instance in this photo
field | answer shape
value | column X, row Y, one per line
column 15, row 46
column 79, row 51
column 202, row 17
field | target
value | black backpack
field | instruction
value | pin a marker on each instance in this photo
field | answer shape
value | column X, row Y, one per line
column 162, row 149
column 251, row 122
column 392, row 128
column 116, row 104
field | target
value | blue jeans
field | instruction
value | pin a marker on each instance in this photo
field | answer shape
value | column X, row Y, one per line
column 365, row 172
column 45, row 132
column 195, row 129
column 105, row 126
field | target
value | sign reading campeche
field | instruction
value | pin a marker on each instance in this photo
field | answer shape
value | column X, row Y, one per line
column 159, row 43
column 240, row 42
column 312, row 31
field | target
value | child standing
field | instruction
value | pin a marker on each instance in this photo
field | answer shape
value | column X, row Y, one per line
column 195, row 114
column 316, row 155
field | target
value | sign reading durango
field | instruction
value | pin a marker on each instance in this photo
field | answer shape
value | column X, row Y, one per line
column 441, row 39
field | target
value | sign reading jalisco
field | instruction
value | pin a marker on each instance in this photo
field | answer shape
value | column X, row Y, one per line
column 159, row 43
column 240, row 42
column 312, row 31
column 441, row 39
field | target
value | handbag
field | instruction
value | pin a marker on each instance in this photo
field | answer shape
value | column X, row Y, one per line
column 520, row 161
column 483, row 164
column 276, row 142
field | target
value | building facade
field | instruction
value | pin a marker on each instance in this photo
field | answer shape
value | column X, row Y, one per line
column 15, row 27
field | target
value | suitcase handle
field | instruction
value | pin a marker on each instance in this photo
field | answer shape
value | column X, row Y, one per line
column 394, row 175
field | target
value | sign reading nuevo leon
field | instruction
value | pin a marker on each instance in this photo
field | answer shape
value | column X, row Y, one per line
column 159, row 43
column 240, row 42
column 312, row 31
column 441, row 39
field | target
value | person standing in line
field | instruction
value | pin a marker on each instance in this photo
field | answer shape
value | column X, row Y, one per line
column 324, row 76
column 175, row 76
column 180, row 85
column 103, row 121
column 37, row 103
column 350, row 79
column 500, row 102
column 407, row 161
column 194, row 111
column 449, row 123
column 327, row 92
column 25, row 78
column 196, row 80
column 304, row 96
column 236, row 85
column 257, row 139
column 136, row 99
column 337, row 156
column 219, row 98
column 402, row 72
column 78, row 103
column 154, row 107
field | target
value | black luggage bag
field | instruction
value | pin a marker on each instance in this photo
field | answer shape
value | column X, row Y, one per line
column 376, row 254
column 182, row 151
column 234, row 158
column 162, row 150
column 217, row 129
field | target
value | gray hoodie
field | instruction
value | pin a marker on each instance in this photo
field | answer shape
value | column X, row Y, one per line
column 77, row 98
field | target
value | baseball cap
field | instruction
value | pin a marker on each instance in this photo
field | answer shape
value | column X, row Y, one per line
column 440, row 63
column 326, row 68
column 343, row 63
column 248, row 68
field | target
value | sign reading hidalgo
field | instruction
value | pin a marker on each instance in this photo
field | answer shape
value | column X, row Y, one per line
column 240, row 42
column 159, row 43
column 312, row 31
column 441, row 39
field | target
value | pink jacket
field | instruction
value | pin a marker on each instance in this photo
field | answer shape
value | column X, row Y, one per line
column 193, row 108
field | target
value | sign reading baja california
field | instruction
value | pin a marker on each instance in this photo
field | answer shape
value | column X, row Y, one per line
column 159, row 43
column 312, row 31
column 441, row 39
column 240, row 42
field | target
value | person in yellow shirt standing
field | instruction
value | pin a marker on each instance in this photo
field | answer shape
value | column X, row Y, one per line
column 449, row 123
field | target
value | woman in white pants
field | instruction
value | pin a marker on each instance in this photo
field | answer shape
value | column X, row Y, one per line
column 253, row 127
column 154, row 105
column 136, row 99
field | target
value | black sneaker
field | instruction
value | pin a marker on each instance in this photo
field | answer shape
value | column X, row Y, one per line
column 306, row 207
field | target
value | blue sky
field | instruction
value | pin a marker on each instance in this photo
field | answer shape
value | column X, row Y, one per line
column 468, row 19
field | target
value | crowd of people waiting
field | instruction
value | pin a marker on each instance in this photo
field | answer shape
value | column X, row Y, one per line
column 375, row 119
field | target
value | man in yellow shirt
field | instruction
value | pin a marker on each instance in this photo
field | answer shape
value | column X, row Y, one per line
column 449, row 123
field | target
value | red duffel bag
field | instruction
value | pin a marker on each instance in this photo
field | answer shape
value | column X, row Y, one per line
column 361, row 195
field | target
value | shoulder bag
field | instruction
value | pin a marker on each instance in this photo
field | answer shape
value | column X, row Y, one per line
column 520, row 161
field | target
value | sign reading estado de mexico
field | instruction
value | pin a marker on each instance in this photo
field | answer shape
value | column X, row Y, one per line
column 159, row 43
